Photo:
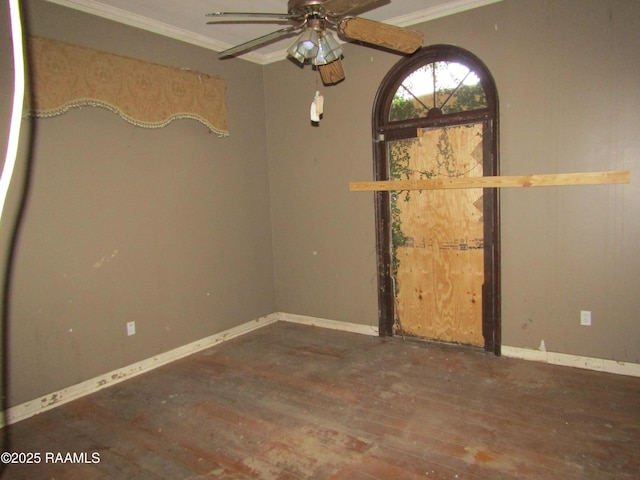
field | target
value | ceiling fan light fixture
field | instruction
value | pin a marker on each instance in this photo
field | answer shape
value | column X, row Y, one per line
column 305, row 47
column 329, row 50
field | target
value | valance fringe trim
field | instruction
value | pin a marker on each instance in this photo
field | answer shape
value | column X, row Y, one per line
column 87, row 102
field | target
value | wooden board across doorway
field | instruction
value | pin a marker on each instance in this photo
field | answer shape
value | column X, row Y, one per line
column 501, row 181
column 440, row 260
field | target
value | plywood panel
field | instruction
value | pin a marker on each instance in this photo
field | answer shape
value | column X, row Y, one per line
column 441, row 264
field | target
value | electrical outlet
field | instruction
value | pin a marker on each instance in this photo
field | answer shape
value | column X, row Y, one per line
column 585, row 318
column 131, row 328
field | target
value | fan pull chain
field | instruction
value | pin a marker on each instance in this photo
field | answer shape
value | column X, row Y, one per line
column 317, row 107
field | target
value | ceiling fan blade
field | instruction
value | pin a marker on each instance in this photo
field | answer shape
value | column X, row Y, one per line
column 340, row 8
column 257, row 42
column 381, row 34
column 247, row 17
column 331, row 73
column 238, row 21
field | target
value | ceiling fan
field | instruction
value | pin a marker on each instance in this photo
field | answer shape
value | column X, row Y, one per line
column 316, row 44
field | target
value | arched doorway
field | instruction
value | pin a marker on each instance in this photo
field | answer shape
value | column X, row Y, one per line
column 438, row 252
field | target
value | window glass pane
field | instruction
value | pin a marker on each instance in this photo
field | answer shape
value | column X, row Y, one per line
column 446, row 87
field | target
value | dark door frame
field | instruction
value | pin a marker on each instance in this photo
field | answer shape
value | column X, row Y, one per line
column 385, row 130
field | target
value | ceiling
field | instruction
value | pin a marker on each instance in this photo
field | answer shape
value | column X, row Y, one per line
column 185, row 20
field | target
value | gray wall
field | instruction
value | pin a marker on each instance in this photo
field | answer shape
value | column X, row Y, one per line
column 169, row 228
column 324, row 247
column 211, row 232
column 568, row 86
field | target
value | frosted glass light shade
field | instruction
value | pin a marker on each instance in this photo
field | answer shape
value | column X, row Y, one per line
column 305, row 47
column 329, row 50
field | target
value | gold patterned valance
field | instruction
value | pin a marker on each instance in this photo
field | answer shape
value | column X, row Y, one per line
column 64, row 76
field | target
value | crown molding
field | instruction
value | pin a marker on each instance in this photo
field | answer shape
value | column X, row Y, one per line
column 124, row 17
column 99, row 9
column 438, row 11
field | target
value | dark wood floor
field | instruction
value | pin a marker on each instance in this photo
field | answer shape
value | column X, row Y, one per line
column 298, row 402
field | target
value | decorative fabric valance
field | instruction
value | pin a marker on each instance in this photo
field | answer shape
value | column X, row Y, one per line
column 64, row 76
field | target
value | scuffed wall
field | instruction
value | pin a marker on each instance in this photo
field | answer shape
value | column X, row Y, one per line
column 567, row 85
column 184, row 233
column 167, row 227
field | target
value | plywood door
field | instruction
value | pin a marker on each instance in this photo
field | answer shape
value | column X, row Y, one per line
column 438, row 237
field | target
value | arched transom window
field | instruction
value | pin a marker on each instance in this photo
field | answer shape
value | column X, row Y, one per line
column 435, row 115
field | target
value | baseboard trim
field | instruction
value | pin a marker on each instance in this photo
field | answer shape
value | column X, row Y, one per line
column 52, row 400
column 331, row 324
column 60, row 397
column 575, row 361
